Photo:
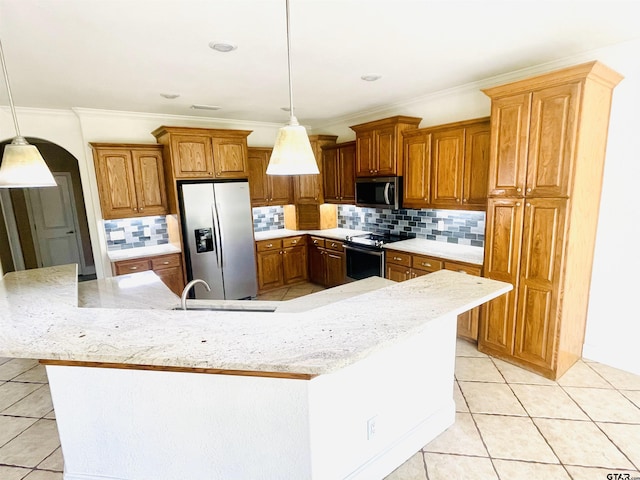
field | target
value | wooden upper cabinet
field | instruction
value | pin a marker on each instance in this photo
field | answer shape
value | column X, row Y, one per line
column 307, row 189
column 230, row 156
column 477, row 139
column 266, row 189
column 130, row 180
column 447, row 164
column 203, row 153
column 338, row 165
column 533, row 137
column 379, row 146
column 509, row 139
column 417, row 169
column 192, row 156
column 554, row 119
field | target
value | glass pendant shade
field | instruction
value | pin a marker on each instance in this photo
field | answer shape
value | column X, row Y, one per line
column 23, row 167
column 292, row 153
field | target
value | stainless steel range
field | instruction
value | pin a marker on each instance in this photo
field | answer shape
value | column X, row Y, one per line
column 365, row 254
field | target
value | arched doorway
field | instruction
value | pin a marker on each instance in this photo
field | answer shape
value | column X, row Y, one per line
column 47, row 226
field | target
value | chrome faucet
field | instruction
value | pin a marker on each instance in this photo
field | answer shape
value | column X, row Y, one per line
column 189, row 286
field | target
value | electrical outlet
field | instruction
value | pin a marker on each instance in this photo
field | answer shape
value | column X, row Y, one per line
column 276, row 218
column 116, row 235
column 441, row 225
column 371, row 427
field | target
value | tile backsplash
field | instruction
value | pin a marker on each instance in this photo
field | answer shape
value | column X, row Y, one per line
column 268, row 218
column 136, row 232
column 452, row 226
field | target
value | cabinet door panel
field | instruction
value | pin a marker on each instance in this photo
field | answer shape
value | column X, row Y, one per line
column 229, row 158
column 508, row 151
column 397, row 273
column 294, row 263
column 192, row 156
column 554, row 113
column 330, row 174
column 152, row 197
column 385, row 151
column 541, row 268
column 172, row 278
column 316, row 265
column 280, row 186
column 364, row 154
column 258, row 161
column 501, row 262
column 447, row 164
column 476, row 164
column 417, row 171
column 270, row 273
column 336, row 269
column 346, row 174
column 118, row 192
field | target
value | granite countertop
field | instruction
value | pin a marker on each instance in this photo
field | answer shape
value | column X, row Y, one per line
column 40, row 318
column 447, row 251
column 141, row 252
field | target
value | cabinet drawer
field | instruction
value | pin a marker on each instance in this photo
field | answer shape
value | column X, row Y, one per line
column 293, row 241
column 333, row 245
column 317, row 241
column 399, row 258
column 463, row 268
column 132, row 266
column 428, row 264
column 266, row 245
column 165, row 261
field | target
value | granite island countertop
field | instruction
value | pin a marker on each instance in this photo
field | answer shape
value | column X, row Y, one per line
column 40, row 318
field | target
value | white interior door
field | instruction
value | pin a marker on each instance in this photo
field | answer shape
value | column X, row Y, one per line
column 55, row 224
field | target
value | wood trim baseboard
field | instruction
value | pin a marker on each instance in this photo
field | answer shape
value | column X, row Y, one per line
column 160, row 368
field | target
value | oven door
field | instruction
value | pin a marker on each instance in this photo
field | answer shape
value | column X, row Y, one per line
column 364, row 262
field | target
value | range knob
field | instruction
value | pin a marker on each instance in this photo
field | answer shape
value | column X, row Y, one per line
column 378, row 243
column 348, row 238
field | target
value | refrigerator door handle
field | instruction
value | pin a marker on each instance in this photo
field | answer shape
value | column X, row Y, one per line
column 217, row 234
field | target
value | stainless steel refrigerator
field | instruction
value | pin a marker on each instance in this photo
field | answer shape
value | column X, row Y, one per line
column 217, row 232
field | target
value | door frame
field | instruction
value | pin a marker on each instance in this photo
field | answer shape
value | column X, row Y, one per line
column 37, row 242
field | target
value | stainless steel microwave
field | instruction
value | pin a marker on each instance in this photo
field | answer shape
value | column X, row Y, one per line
column 379, row 192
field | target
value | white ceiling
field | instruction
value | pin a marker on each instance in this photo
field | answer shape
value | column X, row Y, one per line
column 122, row 54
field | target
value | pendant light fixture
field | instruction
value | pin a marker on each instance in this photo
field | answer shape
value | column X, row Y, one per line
column 22, row 165
column 292, row 153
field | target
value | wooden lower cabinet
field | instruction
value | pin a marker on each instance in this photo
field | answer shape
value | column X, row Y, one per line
column 402, row 266
column 468, row 321
column 167, row 267
column 327, row 264
column 281, row 262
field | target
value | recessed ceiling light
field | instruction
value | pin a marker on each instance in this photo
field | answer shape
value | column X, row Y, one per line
column 205, row 107
column 170, row 96
column 371, row 77
column 223, row 47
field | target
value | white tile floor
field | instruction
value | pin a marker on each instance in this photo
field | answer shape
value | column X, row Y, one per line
column 510, row 423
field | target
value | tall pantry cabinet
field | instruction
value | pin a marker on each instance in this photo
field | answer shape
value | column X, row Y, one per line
column 548, row 141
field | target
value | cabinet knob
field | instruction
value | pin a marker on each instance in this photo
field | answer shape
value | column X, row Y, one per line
column 141, row 209
column 426, row 264
column 315, row 242
column 528, row 190
column 333, row 244
column 457, row 200
column 135, row 209
column 269, row 245
column 528, row 204
column 407, row 272
column 294, row 241
column 517, row 204
column 133, row 268
column 464, row 200
column 209, row 173
column 280, row 252
column 165, row 263
column 518, row 189
column 397, row 258
column 461, row 271
column 217, row 174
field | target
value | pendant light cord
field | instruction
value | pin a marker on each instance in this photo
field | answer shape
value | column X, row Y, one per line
column 292, row 119
column 6, row 81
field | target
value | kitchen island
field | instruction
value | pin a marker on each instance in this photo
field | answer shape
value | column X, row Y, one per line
column 345, row 389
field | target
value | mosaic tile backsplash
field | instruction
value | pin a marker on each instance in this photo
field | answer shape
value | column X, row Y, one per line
column 136, row 232
column 452, row 226
column 268, row 218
